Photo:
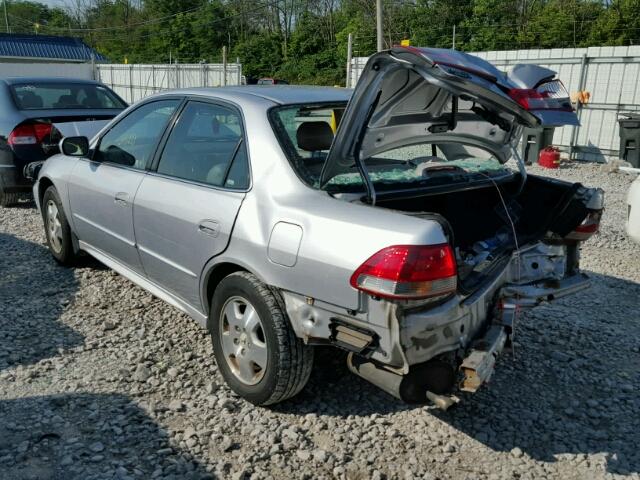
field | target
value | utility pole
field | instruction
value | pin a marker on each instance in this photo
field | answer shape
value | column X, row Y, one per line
column 224, row 65
column 453, row 44
column 379, row 24
column 349, row 57
column 6, row 17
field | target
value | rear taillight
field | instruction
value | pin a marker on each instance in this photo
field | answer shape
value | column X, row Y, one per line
column 587, row 228
column 408, row 272
column 30, row 134
column 547, row 96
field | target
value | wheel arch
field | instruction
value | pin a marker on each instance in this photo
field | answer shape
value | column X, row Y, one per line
column 43, row 184
column 212, row 278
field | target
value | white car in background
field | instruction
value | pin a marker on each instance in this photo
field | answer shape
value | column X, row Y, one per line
column 633, row 210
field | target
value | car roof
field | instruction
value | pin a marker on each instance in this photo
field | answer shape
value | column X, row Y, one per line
column 280, row 94
column 49, row 80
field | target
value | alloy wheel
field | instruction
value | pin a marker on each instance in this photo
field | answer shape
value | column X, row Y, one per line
column 243, row 340
column 54, row 227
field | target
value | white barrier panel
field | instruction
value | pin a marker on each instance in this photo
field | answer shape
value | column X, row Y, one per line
column 54, row 69
column 134, row 82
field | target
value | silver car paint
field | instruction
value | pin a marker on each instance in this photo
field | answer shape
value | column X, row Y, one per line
column 179, row 226
column 81, row 129
column 336, row 236
column 101, row 204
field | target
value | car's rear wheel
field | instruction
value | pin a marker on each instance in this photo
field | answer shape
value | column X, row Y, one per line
column 57, row 228
column 257, row 351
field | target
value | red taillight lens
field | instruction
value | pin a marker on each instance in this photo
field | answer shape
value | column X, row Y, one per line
column 587, row 228
column 43, row 130
column 29, row 134
column 524, row 96
column 408, row 272
column 547, row 96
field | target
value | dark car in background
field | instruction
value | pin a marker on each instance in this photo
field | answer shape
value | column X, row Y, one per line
column 35, row 113
column 271, row 81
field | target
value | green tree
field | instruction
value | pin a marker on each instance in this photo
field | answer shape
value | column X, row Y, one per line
column 306, row 41
column 433, row 20
column 562, row 23
column 261, row 55
column 34, row 17
column 618, row 24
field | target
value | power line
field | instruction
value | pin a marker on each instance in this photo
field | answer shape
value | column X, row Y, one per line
column 143, row 23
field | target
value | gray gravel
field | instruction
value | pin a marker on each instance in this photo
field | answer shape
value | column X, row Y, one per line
column 100, row 380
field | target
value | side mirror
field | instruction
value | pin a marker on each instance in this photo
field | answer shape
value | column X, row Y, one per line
column 75, row 146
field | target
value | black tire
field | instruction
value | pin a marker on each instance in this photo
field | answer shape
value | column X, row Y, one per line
column 8, row 199
column 289, row 360
column 62, row 249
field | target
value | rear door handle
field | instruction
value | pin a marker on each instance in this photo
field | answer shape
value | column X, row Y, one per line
column 209, row 227
column 122, row 199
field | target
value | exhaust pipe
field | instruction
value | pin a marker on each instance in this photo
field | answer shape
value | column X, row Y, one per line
column 442, row 401
column 382, row 378
column 434, row 377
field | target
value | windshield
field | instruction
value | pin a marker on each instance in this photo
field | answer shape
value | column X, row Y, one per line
column 42, row 96
column 306, row 132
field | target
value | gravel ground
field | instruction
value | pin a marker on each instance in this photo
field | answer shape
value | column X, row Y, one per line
column 99, row 380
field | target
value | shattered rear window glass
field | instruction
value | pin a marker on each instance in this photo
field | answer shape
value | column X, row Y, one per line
column 306, row 132
column 418, row 163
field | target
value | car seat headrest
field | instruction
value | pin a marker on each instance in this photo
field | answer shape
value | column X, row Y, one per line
column 31, row 100
column 314, row 136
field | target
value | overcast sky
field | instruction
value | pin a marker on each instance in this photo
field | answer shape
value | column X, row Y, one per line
column 53, row 3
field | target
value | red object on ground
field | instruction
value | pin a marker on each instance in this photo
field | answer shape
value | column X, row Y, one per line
column 549, row 158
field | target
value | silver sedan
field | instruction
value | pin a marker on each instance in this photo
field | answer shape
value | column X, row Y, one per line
column 387, row 222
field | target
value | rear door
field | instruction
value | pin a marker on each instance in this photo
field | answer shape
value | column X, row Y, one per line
column 186, row 206
column 102, row 189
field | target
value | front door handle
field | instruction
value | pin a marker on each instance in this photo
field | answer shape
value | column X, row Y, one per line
column 209, row 227
column 122, row 199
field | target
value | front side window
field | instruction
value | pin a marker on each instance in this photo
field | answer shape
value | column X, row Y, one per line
column 132, row 141
column 206, row 145
column 61, row 96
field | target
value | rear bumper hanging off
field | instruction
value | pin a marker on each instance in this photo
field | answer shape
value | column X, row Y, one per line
column 478, row 366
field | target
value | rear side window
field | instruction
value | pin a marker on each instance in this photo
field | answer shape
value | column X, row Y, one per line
column 42, row 96
column 306, row 133
column 206, row 145
column 132, row 141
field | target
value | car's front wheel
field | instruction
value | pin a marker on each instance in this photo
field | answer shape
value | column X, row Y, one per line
column 257, row 351
column 57, row 228
column 7, row 199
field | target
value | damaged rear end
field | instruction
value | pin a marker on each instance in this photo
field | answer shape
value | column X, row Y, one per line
column 428, row 133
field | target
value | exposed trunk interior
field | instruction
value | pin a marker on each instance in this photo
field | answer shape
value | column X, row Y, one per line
column 480, row 228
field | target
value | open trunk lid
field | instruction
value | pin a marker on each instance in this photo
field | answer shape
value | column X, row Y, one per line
column 406, row 95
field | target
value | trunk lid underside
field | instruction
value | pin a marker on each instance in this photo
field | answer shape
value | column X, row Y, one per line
column 411, row 95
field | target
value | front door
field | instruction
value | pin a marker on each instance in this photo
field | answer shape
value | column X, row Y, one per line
column 184, row 211
column 102, row 189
